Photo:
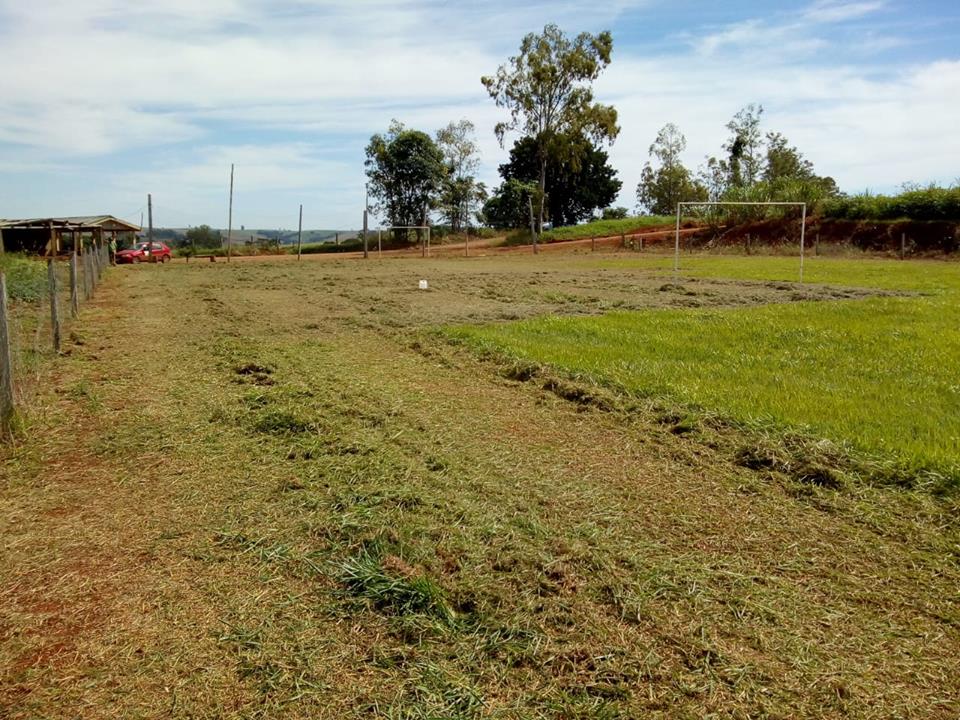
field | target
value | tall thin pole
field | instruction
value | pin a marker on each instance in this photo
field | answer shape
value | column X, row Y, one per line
column 803, row 230
column 366, row 207
column 7, row 397
column 300, row 232
column 676, row 244
column 149, row 217
column 230, row 219
column 379, row 243
column 533, row 227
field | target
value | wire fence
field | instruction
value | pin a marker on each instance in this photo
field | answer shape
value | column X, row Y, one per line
column 40, row 302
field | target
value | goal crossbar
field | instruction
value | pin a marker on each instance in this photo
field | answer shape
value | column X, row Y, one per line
column 695, row 203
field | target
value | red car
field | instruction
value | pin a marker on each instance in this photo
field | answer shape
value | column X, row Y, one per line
column 145, row 252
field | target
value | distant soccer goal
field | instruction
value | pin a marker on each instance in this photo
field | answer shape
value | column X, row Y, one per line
column 424, row 240
column 681, row 205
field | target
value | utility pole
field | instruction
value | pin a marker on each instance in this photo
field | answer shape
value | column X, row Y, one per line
column 300, row 232
column 149, row 217
column 366, row 205
column 230, row 218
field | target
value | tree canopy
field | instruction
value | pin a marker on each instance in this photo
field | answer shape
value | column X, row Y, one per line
column 547, row 89
column 576, row 186
column 661, row 188
column 460, row 193
column 203, row 236
column 406, row 171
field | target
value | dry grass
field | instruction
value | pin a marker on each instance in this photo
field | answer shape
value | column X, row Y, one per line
column 267, row 490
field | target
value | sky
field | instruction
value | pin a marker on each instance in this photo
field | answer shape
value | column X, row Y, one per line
column 105, row 101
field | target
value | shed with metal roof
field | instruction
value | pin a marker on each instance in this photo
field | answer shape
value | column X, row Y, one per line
column 58, row 235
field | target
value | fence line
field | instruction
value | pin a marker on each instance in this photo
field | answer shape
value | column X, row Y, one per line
column 72, row 281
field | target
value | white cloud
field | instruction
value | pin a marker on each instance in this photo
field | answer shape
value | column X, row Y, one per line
column 191, row 87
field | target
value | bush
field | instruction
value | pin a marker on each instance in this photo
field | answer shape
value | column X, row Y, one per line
column 26, row 277
column 930, row 203
column 605, row 228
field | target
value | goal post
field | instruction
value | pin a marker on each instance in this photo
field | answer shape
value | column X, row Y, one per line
column 424, row 244
column 694, row 203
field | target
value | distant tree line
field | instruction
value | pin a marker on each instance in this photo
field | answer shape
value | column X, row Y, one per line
column 558, row 169
column 755, row 167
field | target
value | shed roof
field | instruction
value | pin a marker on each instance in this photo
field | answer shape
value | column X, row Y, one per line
column 76, row 222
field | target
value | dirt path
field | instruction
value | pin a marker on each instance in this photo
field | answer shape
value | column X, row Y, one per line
column 267, row 490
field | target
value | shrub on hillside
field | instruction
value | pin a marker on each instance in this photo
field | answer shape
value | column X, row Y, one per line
column 930, row 203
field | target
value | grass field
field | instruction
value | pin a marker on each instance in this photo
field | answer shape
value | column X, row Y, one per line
column 879, row 374
column 274, row 488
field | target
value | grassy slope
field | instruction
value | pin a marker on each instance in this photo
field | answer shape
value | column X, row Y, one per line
column 879, row 373
column 326, row 514
column 606, row 228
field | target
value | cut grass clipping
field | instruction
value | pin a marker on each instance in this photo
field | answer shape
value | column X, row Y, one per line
column 393, row 587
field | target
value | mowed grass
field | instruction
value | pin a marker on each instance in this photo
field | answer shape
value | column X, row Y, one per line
column 877, row 374
column 312, row 506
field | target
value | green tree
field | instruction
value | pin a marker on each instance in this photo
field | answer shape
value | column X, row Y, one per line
column 547, row 88
column 461, row 192
column 406, row 171
column 576, row 187
column 203, row 237
column 614, row 213
column 745, row 146
column 784, row 161
column 662, row 188
column 508, row 207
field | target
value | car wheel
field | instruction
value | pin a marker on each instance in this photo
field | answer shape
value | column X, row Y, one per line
column 166, row 259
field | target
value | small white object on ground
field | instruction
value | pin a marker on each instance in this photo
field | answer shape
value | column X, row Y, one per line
column 424, row 285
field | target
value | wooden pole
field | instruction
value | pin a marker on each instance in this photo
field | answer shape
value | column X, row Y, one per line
column 7, row 401
column 150, row 217
column 100, row 253
column 803, row 236
column 230, row 219
column 466, row 241
column 641, row 243
column 903, row 245
column 593, row 244
column 54, row 304
column 300, row 232
column 379, row 243
column 74, row 290
column 816, row 245
column 533, row 227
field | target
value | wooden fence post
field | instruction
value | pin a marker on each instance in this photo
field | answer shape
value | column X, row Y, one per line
column 641, row 243
column 6, row 366
column 54, row 304
column 816, row 245
column 87, row 274
column 593, row 244
column 74, row 290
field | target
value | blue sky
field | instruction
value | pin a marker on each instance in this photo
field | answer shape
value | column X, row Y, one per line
column 107, row 100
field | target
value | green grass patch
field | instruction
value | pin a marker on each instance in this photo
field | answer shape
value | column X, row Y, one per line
column 606, row 228
column 26, row 277
column 878, row 375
